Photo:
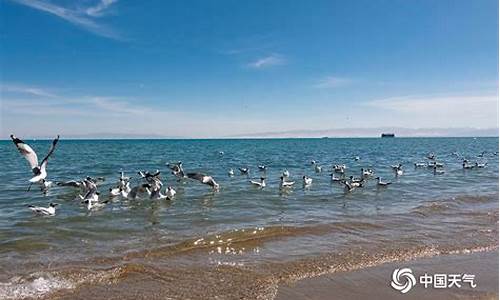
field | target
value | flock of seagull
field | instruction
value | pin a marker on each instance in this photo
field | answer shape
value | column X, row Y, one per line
column 151, row 186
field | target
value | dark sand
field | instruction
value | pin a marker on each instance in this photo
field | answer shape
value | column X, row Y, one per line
column 374, row 283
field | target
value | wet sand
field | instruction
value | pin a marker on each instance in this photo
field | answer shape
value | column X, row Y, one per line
column 374, row 283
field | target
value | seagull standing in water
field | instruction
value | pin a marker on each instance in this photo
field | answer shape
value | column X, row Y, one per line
column 284, row 183
column 286, row 173
column 382, row 183
column 45, row 211
column 40, row 171
column 244, row 170
column 205, row 179
column 307, row 180
column 230, row 172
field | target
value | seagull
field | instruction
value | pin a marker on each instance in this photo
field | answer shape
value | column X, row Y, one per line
column 260, row 184
column 339, row 168
column 205, row 179
column 221, row 153
column 170, row 193
column 285, row 184
column 318, row 168
column 176, row 169
column 313, row 162
column 286, row 173
column 435, row 164
column 431, row 156
column 355, row 180
column 263, row 168
column 154, row 180
column 138, row 190
column 466, row 165
column 480, row 165
column 95, row 204
column 123, row 187
column 46, row 211
column 307, row 180
column 366, row 173
column 356, row 158
column 40, row 171
column 398, row 169
column 335, row 178
column 420, row 165
column 230, row 172
column 438, row 172
column 244, row 170
column 348, row 186
column 381, row 183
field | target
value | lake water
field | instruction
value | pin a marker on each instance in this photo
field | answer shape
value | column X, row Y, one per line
column 240, row 241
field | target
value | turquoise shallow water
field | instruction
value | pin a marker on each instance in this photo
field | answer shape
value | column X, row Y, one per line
column 125, row 227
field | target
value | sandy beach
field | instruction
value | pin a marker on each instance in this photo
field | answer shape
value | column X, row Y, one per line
column 374, row 283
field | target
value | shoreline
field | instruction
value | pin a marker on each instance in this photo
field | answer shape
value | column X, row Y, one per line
column 374, row 282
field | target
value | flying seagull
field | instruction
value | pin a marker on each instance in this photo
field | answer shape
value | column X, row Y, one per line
column 40, row 171
column 205, row 179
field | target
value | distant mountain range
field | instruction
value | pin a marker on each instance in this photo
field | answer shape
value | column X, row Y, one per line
column 333, row 133
column 376, row 132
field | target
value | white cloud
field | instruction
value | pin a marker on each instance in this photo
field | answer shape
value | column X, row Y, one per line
column 100, row 8
column 268, row 61
column 22, row 89
column 480, row 111
column 332, row 82
column 82, row 17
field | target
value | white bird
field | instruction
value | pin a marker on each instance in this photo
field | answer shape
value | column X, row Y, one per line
column 139, row 190
column 399, row 172
column 339, row 168
column 420, row 165
column 40, row 171
column 349, row 186
column 46, row 211
column 438, row 172
column 431, row 156
column 244, row 170
column 480, row 165
column 356, row 158
column 335, row 178
column 313, row 162
column 318, row 168
column 92, row 205
column 366, row 173
column 230, row 172
column 286, row 173
column 285, row 184
column 466, row 165
column 123, row 186
column 382, row 183
column 205, row 179
column 307, row 180
column 263, row 168
column 261, row 183
column 170, row 193
column 177, row 169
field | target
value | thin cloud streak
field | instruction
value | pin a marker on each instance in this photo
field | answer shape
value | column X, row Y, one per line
column 22, row 89
column 268, row 61
column 332, row 82
column 81, row 17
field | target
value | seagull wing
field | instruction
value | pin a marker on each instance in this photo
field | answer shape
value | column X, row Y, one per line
column 26, row 151
column 51, row 150
column 197, row 176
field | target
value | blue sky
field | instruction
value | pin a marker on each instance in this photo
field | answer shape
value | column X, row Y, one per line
column 223, row 68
